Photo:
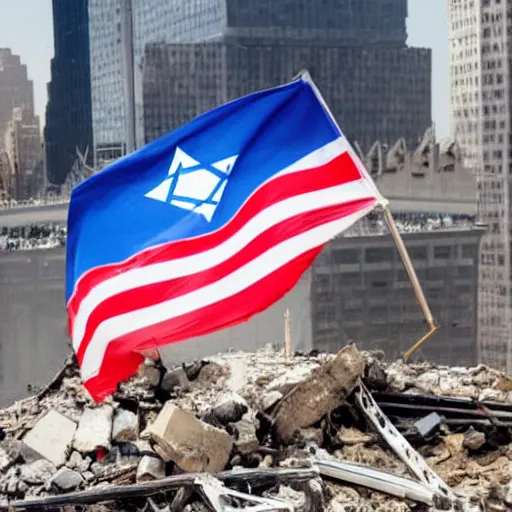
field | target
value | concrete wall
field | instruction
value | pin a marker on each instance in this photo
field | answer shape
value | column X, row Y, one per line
column 24, row 216
column 33, row 332
column 33, row 339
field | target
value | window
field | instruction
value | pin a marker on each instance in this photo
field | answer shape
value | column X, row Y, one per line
column 417, row 253
column 468, row 251
column 442, row 252
column 379, row 255
column 346, row 256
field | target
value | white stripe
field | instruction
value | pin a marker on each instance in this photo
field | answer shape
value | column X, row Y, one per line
column 317, row 158
column 237, row 281
column 188, row 265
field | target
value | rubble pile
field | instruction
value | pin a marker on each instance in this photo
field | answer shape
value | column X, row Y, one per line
column 281, row 433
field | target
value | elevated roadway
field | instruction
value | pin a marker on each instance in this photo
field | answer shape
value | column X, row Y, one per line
column 26, row 215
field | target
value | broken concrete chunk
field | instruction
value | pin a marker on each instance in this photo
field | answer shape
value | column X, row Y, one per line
column 38, row 472
column 374, row 375
column 474, row 440
column 229, row 408
column 175, row 378
column 428, row 424
column 312, row 435
column 12, row 486
column 150, row 371
column 296, row 499
column 94, row 429
column 66, row 479
column 322, row 392
column 351, row 436
column 50, row 439
column 150, row 468
column 78, row 463
column 126, row 426
column 246, row 440
column 22, row 487
column 12, row 448
column 268, row 400
column 192, row 444
column 454, row 443
column 288, row 380
column 88, row 476
column 5, row 460
column 97, row 469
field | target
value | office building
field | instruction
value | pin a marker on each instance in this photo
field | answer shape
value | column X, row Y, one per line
column 148, row 55
column 20, row 137
column 480, row 57
column 16, row 90
column 68, row 125
column 23, row 147
column 374, row 93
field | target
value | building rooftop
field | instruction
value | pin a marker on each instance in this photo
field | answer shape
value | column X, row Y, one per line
column 428, row 178
column 375, row 224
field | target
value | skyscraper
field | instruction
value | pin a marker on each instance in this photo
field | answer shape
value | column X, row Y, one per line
column 16, row 90
column 20, row 138
column 377, row 87
column 68, row 114
column 480, row 60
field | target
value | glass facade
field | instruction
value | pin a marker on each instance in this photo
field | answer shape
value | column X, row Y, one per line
column 347, row 22
column 361, row 292
column 107, row 79
column 374, row 93
column 166, row 62
column 68, row 114
column 20, row 139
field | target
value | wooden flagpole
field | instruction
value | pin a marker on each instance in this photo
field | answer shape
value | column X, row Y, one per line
column 406, row 259
column 433, row 327
column 287, row 334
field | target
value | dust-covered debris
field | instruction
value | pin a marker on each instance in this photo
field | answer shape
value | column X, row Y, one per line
column 236, row 409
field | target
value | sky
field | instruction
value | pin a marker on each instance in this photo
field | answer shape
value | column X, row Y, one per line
column 32, row 39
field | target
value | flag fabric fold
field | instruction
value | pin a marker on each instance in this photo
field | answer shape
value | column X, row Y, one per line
column 205, row 227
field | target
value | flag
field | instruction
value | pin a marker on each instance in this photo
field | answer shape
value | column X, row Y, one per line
column 205, row 227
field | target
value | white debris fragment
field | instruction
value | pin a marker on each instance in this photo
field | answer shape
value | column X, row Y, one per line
column 66, row 479
column 150, row 468
column 78, row 463
column 126, row 426
column 50, row 439
column 192, row 444
column 94, row 429
column 38, row 472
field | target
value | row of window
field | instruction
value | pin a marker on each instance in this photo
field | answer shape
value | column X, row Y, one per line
column 389, row 254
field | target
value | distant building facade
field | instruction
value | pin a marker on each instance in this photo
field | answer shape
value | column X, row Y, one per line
column 480, row 56
column 214, row 50
column 23, row 146
column 20, row 136
column 68, row 114
column 16, row 90
column 361, row 290
column 373, row 92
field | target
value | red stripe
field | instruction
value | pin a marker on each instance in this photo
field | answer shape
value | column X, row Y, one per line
column 337, row 172
column 120, row 362
column 150, row 295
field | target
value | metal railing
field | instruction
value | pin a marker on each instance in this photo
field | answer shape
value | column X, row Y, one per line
column 11, row 204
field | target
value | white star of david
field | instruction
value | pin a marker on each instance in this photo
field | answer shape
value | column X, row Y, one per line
column 193, row 186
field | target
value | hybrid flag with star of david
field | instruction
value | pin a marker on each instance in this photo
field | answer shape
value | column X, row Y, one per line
column 205, row 227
